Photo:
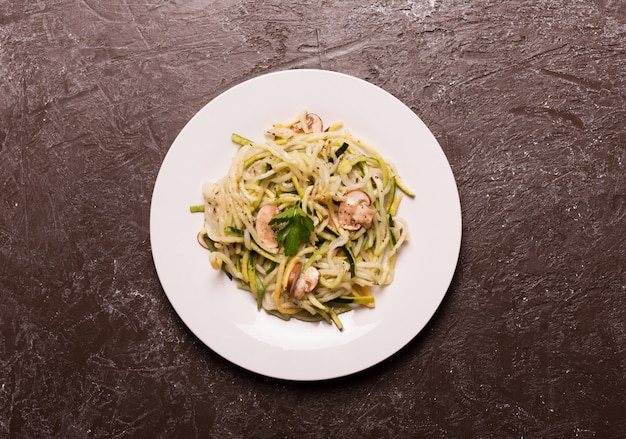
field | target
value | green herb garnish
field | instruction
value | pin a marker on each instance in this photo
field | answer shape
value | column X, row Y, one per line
column 296, row 230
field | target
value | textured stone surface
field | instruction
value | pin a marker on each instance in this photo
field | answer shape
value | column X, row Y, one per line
column 528, row 100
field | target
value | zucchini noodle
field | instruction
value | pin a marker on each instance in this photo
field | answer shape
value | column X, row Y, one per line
column 306, row 220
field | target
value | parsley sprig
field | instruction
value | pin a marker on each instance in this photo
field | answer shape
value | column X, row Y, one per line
column 293, row 227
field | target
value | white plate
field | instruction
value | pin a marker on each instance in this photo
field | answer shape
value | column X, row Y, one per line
column 226, row 318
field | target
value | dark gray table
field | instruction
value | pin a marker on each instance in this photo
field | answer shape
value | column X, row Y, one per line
column 528, row 101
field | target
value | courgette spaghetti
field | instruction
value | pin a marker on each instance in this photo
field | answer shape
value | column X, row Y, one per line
column 306, row 220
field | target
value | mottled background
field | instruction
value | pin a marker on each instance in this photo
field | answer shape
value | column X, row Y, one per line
column 528, row 101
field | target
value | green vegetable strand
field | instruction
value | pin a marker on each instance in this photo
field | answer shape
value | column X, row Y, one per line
column 196, row 208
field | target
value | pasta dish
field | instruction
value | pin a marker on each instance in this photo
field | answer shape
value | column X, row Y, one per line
column 306, row 220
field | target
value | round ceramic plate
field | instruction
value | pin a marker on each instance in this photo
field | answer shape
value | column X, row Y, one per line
column 226, row 318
